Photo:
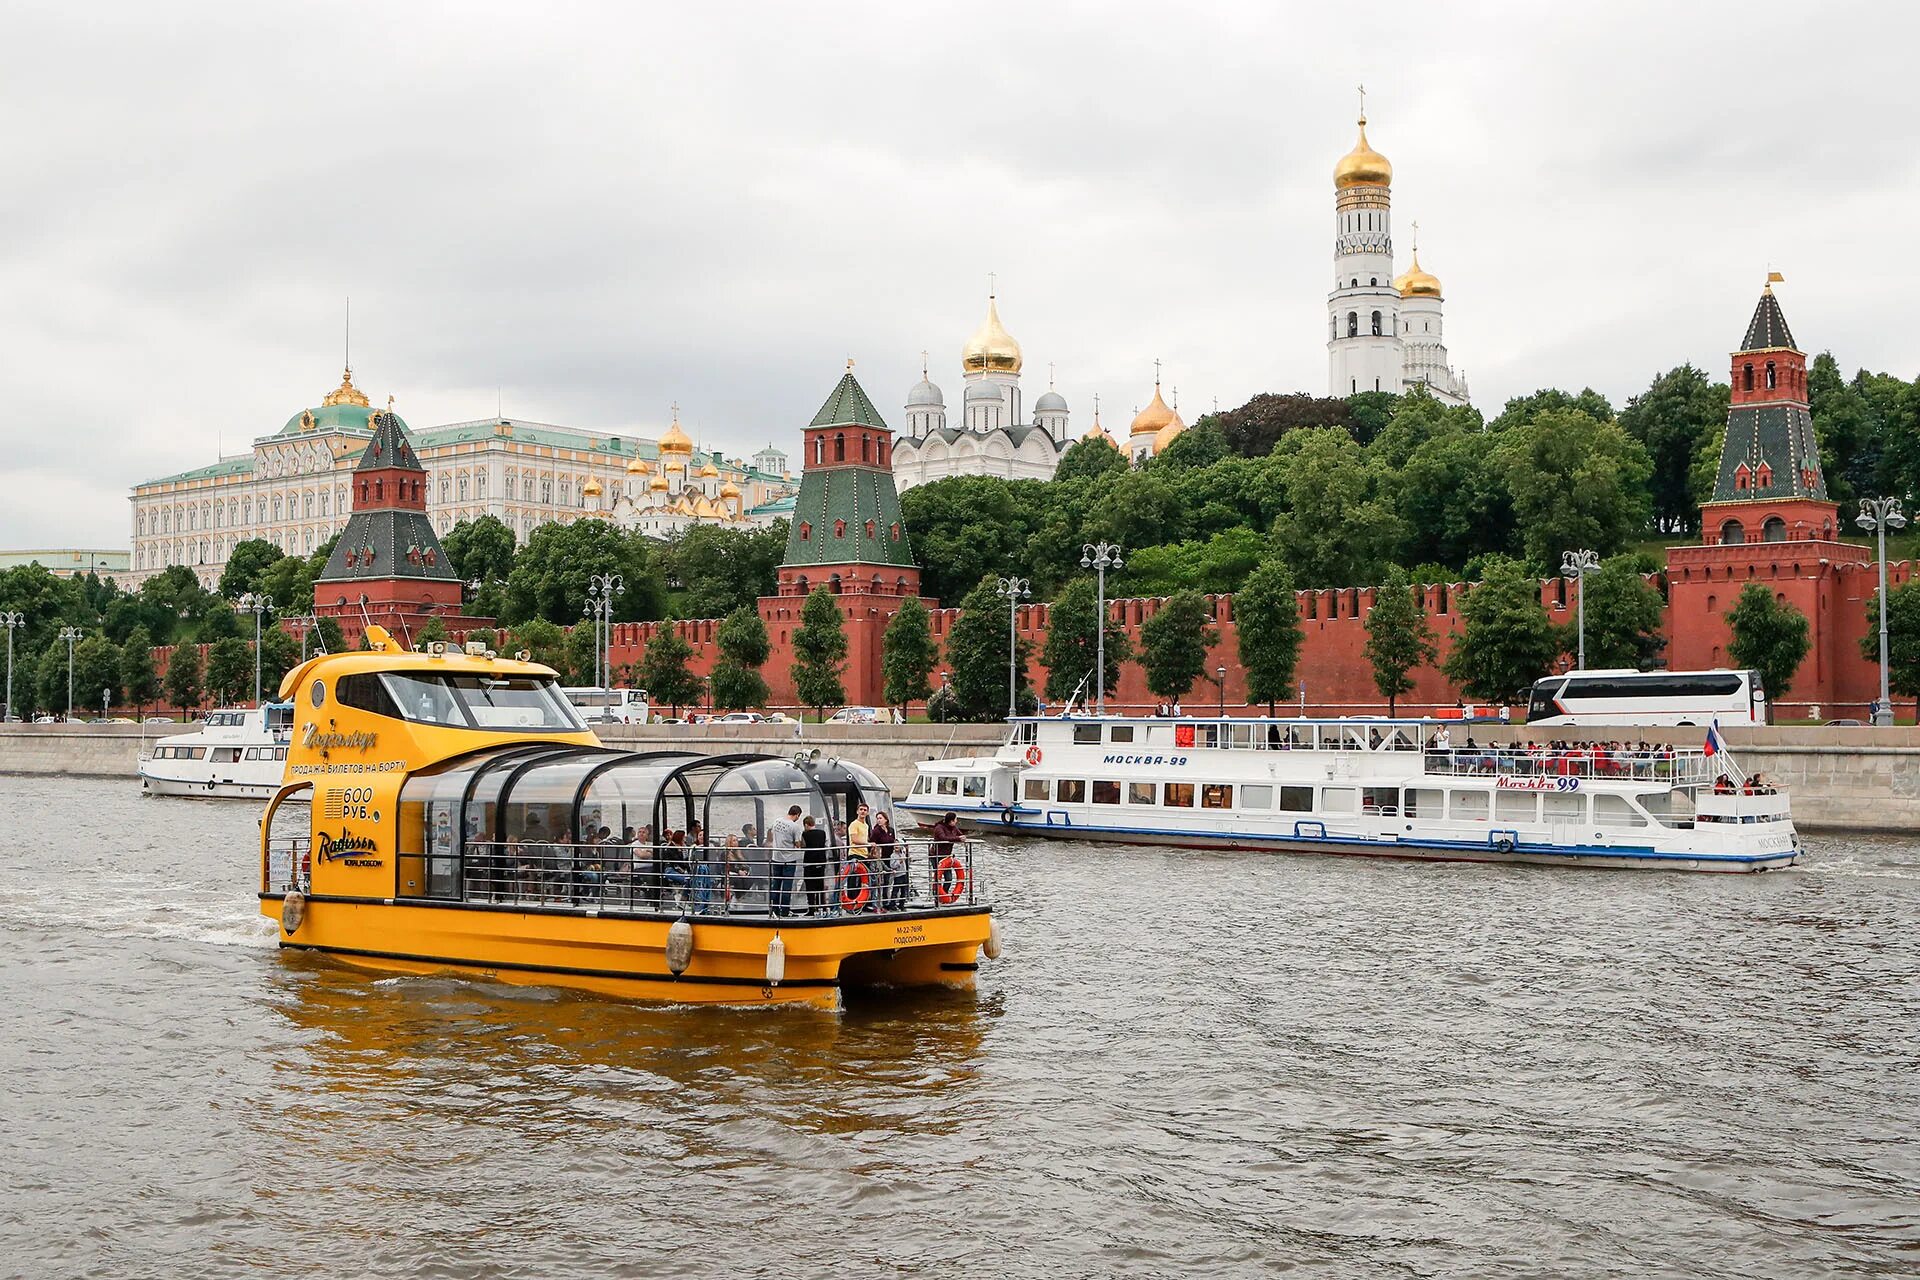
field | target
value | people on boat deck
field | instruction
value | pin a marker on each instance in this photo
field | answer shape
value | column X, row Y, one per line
column 858, row 847
column 890, row 856
column 785, row 861
column 946, row 834
column 813, row 843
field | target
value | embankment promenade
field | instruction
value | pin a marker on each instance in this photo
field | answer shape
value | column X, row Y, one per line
column 1852, row 779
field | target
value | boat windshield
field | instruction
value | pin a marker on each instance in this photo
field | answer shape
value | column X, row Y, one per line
column 525, row 703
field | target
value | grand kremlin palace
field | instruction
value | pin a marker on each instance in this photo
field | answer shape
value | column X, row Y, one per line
column 291, row 488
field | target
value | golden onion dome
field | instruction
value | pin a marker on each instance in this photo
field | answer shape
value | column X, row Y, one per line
column 991, row 346
column 1098, row 432
column 709, row 471
column 729, row 490
column 1164, row 436
column 1155, row 416
column 639, row 467
column 1416, row 283
column 591, row 488
column 1362, row 166
column 676, row 441
column 658, row 484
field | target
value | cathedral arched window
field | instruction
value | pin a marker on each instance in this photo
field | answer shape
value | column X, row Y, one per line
column 1746, row 378
column 1374, row 281
column 1353, row 324
column 1376, row 324
column 1732, row 533
column 1772, row 377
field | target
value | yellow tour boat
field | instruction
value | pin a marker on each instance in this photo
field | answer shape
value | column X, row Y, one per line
column 463, row 819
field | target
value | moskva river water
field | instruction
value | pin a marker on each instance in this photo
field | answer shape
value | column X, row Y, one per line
column 1184, row 1064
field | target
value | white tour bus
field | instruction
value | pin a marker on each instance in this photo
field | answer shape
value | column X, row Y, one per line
column 1644, row 698
column 609, row 706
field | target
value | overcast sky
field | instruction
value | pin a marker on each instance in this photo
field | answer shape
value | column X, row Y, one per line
column 594, row 211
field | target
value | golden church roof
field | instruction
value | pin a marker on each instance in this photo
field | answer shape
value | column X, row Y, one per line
column 346, row 392
column 991, row 346
column 674, row 440
column 1362, row 166
column 1155, row 416
column 1417, row 283
column 639, row 467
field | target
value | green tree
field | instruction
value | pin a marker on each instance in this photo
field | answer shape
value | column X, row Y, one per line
column 278, row 655
column 1174, row 644
column 1089, row 459
column 433, row 629
column 327, row 634
column 908, row 655
column 1072, row 649
column 96, row 666
column 1522, row 410
column 819, row 652
column 1770, row 636
column 247, row 565
column 664, row 672
column 1266, row 615
column 1671, row 419
column 550, row 574
column 482, row 548
column 1338, row 530
column 977, row 656
column 1452, row 493
column 963, row 523
column 183, row 677
column 580, row 658
column 229, row 670
column 1903, row 639
column 744, row 649
column 1625, row 615
column 1200, row 445
column 719, row 569
column 1575, row 482
column 1506, row 640
column 137, row 673
column 1219, row 564
column 543, row 641
column 1257, row 426
column 50, row 680
column 1398, row 637
column 213, row 618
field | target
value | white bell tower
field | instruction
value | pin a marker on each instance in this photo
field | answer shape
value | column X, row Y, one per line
column 1364, row 348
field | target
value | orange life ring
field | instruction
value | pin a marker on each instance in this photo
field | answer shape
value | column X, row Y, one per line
column 849, row 899
column 1033, row 755
column 949, row 880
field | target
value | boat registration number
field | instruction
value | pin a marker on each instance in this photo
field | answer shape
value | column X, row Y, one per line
column 1121, row 758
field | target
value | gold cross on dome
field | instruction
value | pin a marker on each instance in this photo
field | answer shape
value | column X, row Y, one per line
column 993, row 283
column 1363, row 104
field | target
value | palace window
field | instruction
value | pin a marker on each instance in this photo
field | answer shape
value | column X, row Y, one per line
column 446, row 488
column 1732, row 533
column 1774, row 530
column 896, row 531
column 480, row 484
column 546, row 491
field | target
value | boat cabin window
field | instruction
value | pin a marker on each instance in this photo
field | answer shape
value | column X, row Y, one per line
column 481, row 701
column 1035, row 789
column 1106, row 792
column 1177, row 795
column 364, row 692
column 1216, row 795
column 1468, row 806
column 973, row 785
column 923, row 785
column 1339, row 799
column 1516, row 806
column 1299, row 737
column 1140, row 792
column 1022, row 733
column 949, row 785
column 1296, row 799
column 1563, row 806
column 1668, row 808
column 1425, row 802
column 1241, row 735
column 225, row 755
column 1382, row 800
column 1121, row 733
column 1256, row 797
column 1084, row 733
column 1071, row 791
column 1615, row 811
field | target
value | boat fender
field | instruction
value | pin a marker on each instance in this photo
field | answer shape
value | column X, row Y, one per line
column 680, row 946
column 776, row 960
column 852, row 899
column 992, row 947
column 949, row 880
column 1006, row 815
column 293, row 912
column 1504, row 844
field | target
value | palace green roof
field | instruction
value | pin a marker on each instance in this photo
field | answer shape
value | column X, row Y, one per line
column 224, row 467
column 329, row 417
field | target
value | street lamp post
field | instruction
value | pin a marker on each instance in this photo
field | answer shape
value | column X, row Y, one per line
column 1879, row 515
column 10, row 619
column 1015, row 590
column 1100, row 557
column 70, row 634
column 258, row 604
column 1220, row 679
column 106, row 696
column 1578, row 564
column 601, row 589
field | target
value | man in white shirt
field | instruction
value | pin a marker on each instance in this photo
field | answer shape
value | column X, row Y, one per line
column 785, row 838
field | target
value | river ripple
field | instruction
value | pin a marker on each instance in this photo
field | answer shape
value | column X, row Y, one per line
column 1185, row 1063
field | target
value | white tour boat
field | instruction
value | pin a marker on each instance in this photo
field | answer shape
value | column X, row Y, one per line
column 239, row 753
column 1394, row 788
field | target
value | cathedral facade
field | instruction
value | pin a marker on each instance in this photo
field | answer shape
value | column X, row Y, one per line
column 992, row 438
column 1383, row 330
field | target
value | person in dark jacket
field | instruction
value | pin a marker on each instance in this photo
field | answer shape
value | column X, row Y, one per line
column 813, row 857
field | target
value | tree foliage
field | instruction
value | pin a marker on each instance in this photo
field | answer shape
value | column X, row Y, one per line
column 1671, row 419
column 1625, row 616
column 1399, row 641
column 139, row 680
column 550, row 575
column 246, row 566
column 908, row 654
column 1506, row 640
column 1575, row 482
column 664, row 671
column 183, row 677
column 1072, row 650
column 96, row 666
column 717, row 569
column 1770, row 636
column 1266, row 615
column 977, row 654
column 819, row 653
column 1174, row 644
column 744, row 648
column 1903, row 638
column 229, row 670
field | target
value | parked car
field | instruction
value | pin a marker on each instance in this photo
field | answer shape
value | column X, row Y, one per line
column 114, row 720
column 159, row 720
column 864, row 715
column 742, row 717
column 1846, row 724
column 43, row 719
column 780, row 717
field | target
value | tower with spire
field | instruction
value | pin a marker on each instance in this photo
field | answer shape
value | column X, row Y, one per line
column 1383, row 331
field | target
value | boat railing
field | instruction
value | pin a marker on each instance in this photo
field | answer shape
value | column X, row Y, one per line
column 289, row 864
column 1666, row 766
column 710, row 880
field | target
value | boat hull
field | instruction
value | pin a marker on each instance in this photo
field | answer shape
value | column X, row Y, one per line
column 210, row 789
column 1585, row 856
column 624, row 955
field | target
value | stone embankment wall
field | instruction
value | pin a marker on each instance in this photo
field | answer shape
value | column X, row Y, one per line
column 1841, row 779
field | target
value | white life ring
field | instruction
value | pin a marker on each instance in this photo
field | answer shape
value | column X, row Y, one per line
column 293, row 912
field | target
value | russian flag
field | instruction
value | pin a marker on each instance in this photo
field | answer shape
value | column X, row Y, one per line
column 1715, row 743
